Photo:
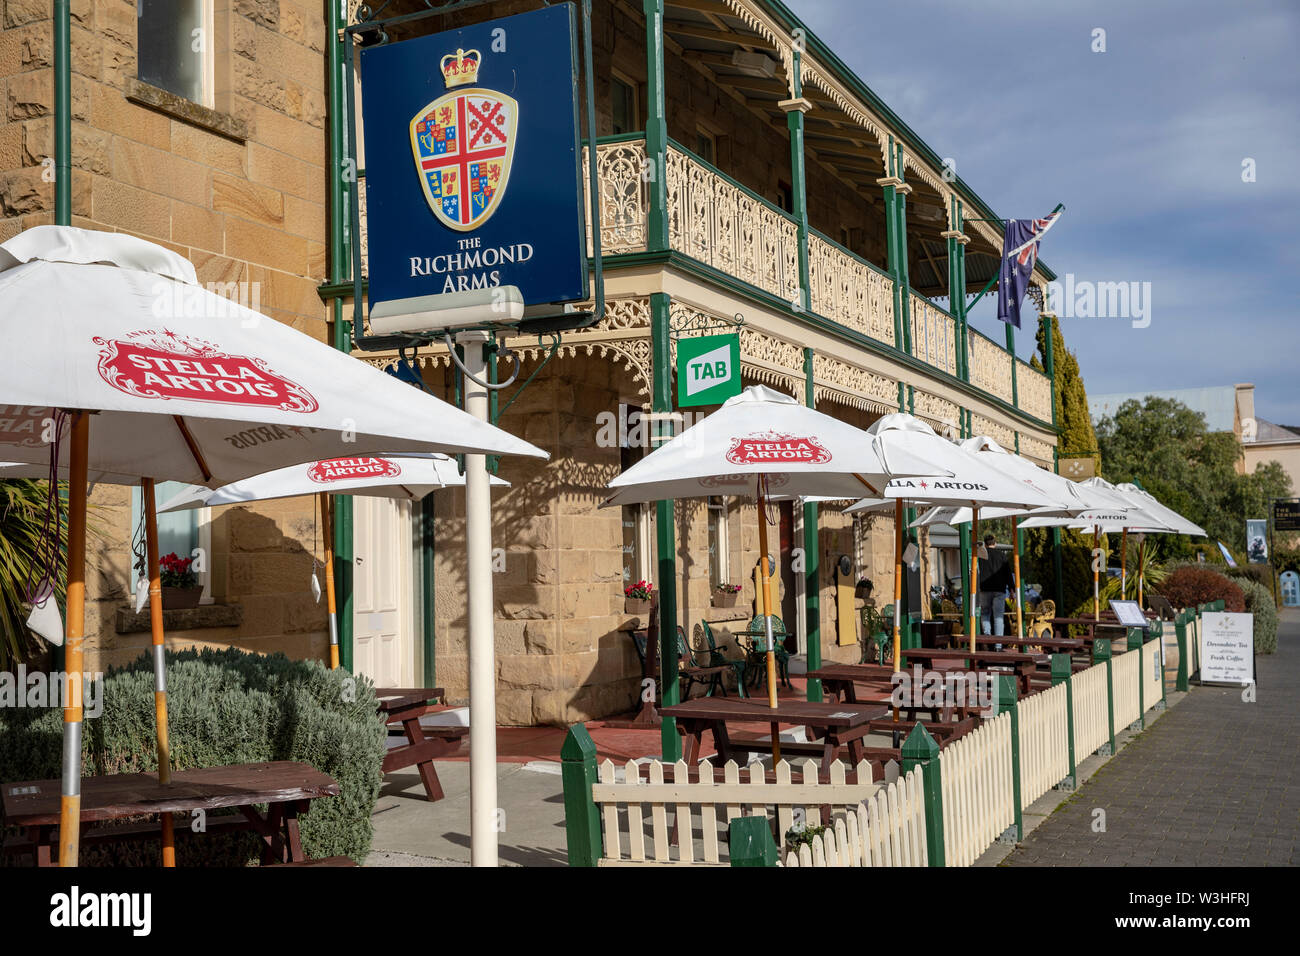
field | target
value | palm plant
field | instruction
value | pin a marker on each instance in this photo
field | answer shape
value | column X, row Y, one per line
column 22, row 523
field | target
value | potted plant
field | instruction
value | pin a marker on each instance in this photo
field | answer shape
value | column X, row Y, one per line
column 725, row 594
column 636, row 598
column 180, row 585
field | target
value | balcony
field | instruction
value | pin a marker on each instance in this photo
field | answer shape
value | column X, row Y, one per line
column 724, row 225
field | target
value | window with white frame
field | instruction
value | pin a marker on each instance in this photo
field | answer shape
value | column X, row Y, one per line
column 719, row 541
column 186, row 533
column 636, row 518
column 174, row 42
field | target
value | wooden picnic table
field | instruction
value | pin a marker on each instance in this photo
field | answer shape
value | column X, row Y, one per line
column 838, row 725
column 288, row 787
column 405, row 706
column 1022, row 664
column 1061, row 625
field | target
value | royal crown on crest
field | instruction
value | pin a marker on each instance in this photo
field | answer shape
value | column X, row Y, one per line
column 461, row 68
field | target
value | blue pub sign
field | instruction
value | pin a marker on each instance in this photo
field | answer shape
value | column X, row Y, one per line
column 473, row 162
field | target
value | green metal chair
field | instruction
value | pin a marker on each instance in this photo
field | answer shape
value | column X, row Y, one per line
column 716, row 657
column 691, row 671
column 755, row 634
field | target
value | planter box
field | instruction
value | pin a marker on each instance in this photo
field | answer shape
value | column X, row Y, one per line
column 174, row 599
column 725, row 599
column 636, row 605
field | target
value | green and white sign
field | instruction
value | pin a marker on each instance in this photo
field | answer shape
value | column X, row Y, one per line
column 708, row 369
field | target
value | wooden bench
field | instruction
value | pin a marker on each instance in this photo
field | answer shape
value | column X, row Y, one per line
column 405, row 706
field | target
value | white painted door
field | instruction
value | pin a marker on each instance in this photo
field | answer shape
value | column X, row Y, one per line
column 383, row 631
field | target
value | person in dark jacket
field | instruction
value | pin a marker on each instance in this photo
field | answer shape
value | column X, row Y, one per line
column 995, row 581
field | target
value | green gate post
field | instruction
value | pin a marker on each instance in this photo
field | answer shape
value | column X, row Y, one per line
column 920, row 750
column 1101, row 653
column 750, row 843
column 1135, row 644
column 1006, row 703
column 1062, row 672
column 581, row 817
column 1180, row 633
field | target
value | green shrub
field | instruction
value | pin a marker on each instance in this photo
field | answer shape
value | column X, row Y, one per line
column 224, row 707
column 1188, row 585
column 1259, row 602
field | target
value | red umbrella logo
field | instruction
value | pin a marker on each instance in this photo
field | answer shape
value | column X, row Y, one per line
column 347, row 469
column 774, row 448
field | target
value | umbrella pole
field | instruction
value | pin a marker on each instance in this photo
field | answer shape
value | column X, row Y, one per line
column 159, row 661
column 1020, row 613
column 70, row 801
column 327, row 526
column 1142, row 568
column 765, row 573
column 1123, row 563
column 974, row 574
column 1096, row 573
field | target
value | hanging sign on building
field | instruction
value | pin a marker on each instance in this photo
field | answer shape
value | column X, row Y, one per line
column 473, row 167
column 708, row 369
column 1286, row 516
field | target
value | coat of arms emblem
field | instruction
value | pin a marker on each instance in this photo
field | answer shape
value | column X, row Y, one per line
column 463, row 143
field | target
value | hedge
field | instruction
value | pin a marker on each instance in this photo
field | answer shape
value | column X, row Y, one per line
column 224, row 707
column 1187, row 585
column 1259, row 602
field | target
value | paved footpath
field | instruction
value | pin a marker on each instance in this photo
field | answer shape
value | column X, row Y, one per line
column 1213, row 782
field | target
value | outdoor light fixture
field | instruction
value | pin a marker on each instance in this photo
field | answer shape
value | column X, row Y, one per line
column 473, row 308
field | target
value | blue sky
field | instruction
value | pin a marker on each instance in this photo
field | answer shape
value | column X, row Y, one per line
column 1144, row 143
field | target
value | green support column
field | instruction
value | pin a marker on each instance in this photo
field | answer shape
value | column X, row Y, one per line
column 904, row 272
column 656, row 128
column 581, row 815
column 812, row 560
column 891, row 241
column 656, row 138
column 795, row 109
column 1063, row 673
column 963, row 334
column 341, row 179
column 665, row 532
column 62, row 114
column 1180, row 632
column 920, row 750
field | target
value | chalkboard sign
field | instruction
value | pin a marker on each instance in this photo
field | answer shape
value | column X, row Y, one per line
column 1286, row 516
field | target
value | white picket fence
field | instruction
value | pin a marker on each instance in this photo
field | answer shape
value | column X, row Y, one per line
column 1091, row 711
column 1126, row 672
column 978, row 799
column 1152, row 673
column 668, row 815
column 887, row 829
column 639, row 833
column 1044, row 743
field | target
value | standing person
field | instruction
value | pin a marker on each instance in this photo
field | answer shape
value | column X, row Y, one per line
column 995, row 579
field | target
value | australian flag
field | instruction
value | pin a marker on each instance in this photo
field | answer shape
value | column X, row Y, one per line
column 1019, row 253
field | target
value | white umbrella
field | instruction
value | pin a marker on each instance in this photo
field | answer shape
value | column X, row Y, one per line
column 1109, row 510
column 182, row 384
column 1171, row 518
column 970, row 482
column 404, row 477
column 762, row 442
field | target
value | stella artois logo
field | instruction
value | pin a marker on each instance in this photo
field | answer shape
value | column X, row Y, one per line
column 463, row 143
column 25, row 427
column 350, row 469
column 773, row 448
column 164, row 365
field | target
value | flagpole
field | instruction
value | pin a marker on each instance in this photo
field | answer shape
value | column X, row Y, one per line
column 159, row 660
